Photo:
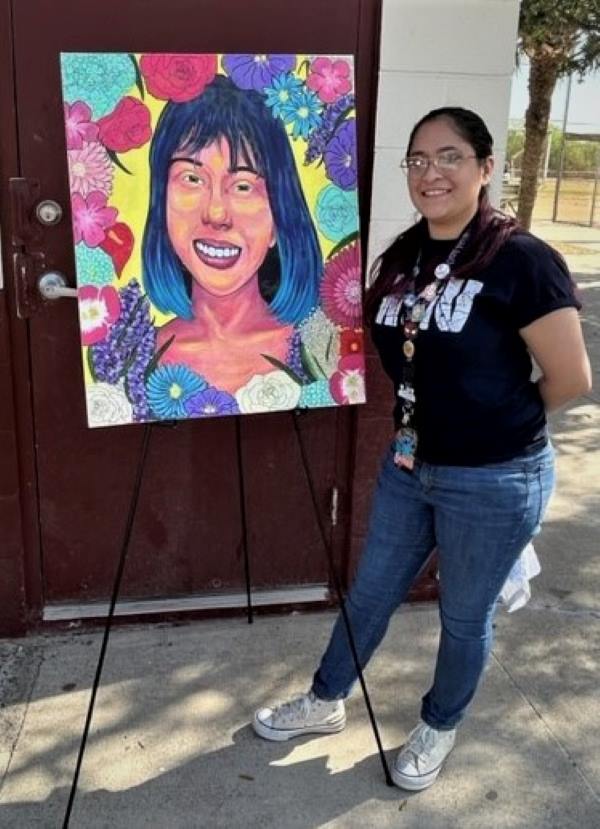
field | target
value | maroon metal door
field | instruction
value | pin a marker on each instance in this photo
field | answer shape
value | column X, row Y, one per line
column 188, row 533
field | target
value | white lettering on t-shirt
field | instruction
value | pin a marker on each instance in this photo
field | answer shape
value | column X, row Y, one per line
column 453, row 306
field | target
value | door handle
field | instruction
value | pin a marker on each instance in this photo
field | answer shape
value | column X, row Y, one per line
column 53, row 285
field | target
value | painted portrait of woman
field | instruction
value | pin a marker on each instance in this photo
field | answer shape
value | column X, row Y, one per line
column 229, row 245
column 215, row 223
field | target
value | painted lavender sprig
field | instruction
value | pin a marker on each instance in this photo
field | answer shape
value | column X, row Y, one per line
column 128, row 349
column 332, row 116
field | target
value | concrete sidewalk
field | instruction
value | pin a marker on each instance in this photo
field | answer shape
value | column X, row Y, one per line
column 171, row 745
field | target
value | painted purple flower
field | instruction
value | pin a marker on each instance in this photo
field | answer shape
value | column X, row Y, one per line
column 257, row 71
column 211, row 402
column 340, row 156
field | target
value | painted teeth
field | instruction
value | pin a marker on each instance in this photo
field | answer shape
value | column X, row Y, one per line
column 217, row 253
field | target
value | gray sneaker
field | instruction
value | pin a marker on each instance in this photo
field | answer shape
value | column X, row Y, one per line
column 421, row 758
column 305, row 714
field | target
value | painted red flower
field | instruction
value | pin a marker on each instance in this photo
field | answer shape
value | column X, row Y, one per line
column 99, row 308
column 126, row 127
column 351, row 342
column 347, row 385
column 341, row 290
column 330, row 79
column 91, row 217
column 177, row 77
column 118, row 243
column 79, row 125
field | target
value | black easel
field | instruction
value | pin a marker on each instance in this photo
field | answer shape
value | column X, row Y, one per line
column 340, row 596
column 121, row 567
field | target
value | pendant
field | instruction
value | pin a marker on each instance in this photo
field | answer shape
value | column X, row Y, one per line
column 409, row 300
column 409, row 349
column 418, row 312
column 405, row 446
column 410, row 329
column 406, row 392
column 442, row 271
column 429, row 292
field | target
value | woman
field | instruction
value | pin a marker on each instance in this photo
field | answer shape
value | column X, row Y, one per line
column 461, row 302
column 229, row 245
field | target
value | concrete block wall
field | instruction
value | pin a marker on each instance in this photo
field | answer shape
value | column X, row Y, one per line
column 436, row 53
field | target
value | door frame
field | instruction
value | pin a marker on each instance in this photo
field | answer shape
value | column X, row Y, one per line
column 21, row 592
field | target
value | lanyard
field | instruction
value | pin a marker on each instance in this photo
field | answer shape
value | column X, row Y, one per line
column 414, row 308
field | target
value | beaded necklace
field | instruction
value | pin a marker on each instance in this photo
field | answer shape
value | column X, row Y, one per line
column 413, row 310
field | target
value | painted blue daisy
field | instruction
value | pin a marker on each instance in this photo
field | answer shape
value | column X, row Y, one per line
column 304, row 112
column 211, row 402
column 94, row 266
column 100, row 80
column 170, row 387
column 283, row 90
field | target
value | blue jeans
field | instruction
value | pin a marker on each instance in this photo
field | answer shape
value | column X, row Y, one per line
column 479, row 518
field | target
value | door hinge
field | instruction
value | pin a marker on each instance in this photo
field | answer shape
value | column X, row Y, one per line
column 333, row 512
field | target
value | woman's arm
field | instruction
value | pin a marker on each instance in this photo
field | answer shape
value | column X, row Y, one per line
column 556, row 344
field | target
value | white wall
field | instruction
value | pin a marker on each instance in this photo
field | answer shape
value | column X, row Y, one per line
column 436, row 53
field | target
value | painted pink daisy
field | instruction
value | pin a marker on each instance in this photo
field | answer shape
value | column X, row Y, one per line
column 341, row 290
column 99, row 308
column 79, row 125
column 90, row 169
column 347, row 385
column 91, row 218
column 330, row 79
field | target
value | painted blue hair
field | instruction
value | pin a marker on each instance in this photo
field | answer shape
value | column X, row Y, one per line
column 289, row 277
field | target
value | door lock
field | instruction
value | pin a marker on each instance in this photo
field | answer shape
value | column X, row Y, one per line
column 49, row 212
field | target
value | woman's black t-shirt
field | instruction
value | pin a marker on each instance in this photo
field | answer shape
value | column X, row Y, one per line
column 475, row 400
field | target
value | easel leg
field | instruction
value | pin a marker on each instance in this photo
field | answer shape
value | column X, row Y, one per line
column 338, row 589
column 111, row 611
column 238, row 438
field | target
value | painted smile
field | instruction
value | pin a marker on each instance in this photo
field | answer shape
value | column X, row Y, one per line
column 218, row 255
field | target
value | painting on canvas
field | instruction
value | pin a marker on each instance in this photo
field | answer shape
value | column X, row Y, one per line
column 215, row 224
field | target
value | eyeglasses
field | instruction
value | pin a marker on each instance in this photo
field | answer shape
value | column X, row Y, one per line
column 417, row 165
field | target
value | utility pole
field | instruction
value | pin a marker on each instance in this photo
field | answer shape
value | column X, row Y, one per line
column 562, row 149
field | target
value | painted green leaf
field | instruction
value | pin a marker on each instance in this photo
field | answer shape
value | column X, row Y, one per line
column 352, row 237
column 282, row 367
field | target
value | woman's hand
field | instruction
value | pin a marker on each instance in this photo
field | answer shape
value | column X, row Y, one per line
column 556, row 344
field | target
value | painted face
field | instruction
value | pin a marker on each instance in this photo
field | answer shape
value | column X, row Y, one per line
column 218, row 218
column 447, row 196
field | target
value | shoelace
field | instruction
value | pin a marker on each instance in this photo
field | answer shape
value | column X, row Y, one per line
column 299, row 705
column 421, row 744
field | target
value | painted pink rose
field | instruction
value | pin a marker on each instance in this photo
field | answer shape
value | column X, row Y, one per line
column 99, row 308
column 91, row 217
column 177, row 77
column 126, row 127
column 79, row 125
column 347, row 384
column 330, row 79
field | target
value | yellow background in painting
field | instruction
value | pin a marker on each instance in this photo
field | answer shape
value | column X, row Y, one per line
column 130, row 194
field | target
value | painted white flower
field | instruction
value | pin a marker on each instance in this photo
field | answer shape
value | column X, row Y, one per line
column 271, row 392
column 107, row 405
column 321, row 339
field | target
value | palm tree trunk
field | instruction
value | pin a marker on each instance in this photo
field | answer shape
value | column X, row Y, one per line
column 543, row 73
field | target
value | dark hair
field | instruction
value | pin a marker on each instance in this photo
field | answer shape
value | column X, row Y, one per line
column 290, row 276
column 489, row 228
